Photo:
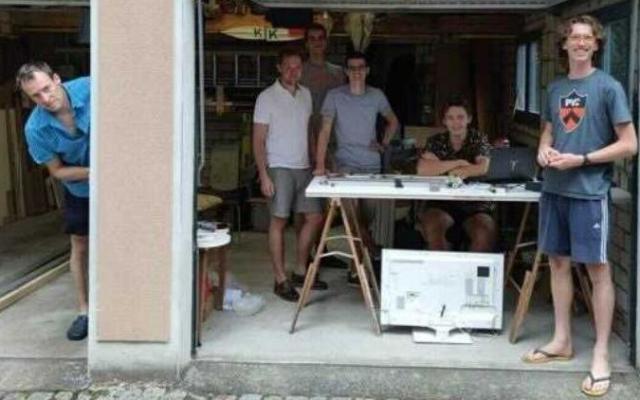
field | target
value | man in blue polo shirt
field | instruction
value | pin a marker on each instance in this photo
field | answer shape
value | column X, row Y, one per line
column 57, row 134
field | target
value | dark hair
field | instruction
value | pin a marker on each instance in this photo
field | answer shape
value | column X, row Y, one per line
column 315, row 27
column 355, row 55
column 455, row 101
column 287, row 52
column 26, row 71
column 566, row 28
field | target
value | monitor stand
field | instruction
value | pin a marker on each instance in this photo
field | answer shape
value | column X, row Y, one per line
column 441, row 334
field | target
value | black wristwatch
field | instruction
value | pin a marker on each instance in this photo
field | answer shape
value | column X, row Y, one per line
column 585, row 159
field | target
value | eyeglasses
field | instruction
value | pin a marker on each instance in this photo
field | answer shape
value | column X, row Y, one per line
column 354, row 68
column 585, row 38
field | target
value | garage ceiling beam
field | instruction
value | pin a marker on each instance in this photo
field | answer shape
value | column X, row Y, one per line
column 413, row 5
column 47, row 3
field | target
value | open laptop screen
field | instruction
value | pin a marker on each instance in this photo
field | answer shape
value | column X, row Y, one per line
column 511, row 164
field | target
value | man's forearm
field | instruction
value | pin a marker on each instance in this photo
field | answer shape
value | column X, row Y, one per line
column 546, row 139
column 388, row 135
column 436, row 167
column 261, row 163
column 625, row 146
column 475, row 170
column 321, row 152
column 71, row 173
column 259, row 151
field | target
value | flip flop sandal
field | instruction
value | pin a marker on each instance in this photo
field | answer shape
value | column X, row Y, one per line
column 599, row 392
column 531, row 357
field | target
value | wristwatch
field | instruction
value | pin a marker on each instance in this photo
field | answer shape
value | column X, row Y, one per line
column 585, row 159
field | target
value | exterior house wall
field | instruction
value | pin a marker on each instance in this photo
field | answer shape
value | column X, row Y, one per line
column 141, row 185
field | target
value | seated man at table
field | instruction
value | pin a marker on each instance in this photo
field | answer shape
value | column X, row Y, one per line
column 463, row 152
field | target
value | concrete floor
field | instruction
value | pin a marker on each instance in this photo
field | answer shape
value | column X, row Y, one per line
column 36, row 326
column 336, row 328
column 27, row 244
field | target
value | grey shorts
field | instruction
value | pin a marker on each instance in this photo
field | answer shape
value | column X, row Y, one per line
column 289, row 185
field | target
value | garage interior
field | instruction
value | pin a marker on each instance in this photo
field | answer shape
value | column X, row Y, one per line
column 419, row 58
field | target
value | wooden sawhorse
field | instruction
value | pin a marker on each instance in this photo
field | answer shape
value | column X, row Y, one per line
column 358, row 253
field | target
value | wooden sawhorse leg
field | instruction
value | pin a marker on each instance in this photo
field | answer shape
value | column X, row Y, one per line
column 347, row 213
column 526, row 290
column 517, row 246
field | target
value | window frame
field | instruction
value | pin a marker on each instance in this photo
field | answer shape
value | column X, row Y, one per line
column 528, row 115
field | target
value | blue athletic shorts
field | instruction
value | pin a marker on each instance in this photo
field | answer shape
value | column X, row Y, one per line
column 76, row 214
column 575, row 228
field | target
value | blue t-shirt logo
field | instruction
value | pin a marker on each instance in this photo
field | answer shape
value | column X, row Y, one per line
column 572, row 110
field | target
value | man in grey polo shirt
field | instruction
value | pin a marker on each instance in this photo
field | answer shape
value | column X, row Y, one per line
column 281, row 150
column 354, row 109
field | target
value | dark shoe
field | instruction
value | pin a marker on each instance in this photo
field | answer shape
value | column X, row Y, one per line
column 353, row 279
column 285, row 291
column 78, row 329
column 298, row 281
column 333, row 262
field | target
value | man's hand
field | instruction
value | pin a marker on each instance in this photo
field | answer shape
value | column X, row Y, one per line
column 376, row 146
column 545, row 154
column 563, row 161
column 320, row 170
column 460, row 172
column 462, row 163
column 266, row 186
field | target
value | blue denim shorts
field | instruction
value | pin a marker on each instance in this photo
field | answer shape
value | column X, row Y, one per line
column 575, row 228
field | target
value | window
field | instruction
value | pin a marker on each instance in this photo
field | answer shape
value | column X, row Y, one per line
column 615, row 57
column 528, row 78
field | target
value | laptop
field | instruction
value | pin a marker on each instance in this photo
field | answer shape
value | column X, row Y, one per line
column 511, row 164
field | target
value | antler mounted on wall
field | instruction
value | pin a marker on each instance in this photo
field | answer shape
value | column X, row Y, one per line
column 359, row 25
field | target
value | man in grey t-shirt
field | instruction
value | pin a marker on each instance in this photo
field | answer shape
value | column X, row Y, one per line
column 586, row 126
column 354, row 109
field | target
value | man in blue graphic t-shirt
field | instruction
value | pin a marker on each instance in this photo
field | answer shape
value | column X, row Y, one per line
column 57, row 134
column 586, row 126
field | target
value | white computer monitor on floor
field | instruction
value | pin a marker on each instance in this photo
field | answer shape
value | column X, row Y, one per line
column 444, row 292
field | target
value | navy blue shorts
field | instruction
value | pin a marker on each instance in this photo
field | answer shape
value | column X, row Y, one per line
column 575, row 228
column 76, row 214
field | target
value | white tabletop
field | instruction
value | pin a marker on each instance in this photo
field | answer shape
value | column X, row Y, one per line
column 414, row 187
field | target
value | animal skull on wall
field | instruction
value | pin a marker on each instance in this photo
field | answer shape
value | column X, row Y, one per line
column 359, row 26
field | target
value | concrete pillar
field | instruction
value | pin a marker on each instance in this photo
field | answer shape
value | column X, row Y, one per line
column 142, row 152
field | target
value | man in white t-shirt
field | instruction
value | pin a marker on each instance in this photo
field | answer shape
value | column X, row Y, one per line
column 281, row 150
